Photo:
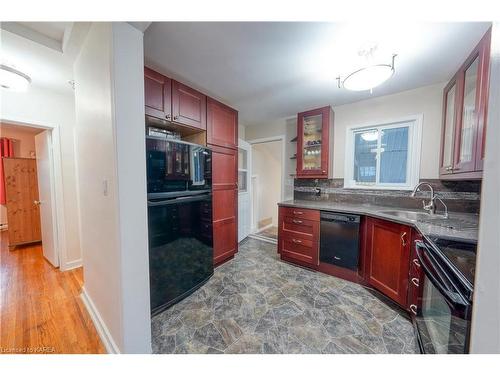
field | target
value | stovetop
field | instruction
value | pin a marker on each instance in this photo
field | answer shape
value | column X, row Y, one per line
column 461, row 254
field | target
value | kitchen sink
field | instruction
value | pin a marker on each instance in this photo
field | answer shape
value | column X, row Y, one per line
column 411, row 215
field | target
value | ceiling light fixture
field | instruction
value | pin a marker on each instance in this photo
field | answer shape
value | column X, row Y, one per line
column 368, row 77
column 13, row 79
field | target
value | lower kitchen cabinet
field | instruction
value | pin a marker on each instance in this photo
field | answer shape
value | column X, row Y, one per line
column 225, row 203
column 387, row 257
column 298, row 236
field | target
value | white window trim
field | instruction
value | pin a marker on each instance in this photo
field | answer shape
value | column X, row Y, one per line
column 414, row 153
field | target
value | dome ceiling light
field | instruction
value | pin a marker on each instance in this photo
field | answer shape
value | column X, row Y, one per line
column 369, row 76
column 13, row 79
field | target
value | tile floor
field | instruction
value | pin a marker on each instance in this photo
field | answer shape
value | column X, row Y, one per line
column 258, row 304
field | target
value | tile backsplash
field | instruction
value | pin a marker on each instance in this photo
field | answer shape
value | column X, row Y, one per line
column 459, row 196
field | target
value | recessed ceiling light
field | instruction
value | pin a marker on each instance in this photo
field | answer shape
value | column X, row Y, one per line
column 13, row 79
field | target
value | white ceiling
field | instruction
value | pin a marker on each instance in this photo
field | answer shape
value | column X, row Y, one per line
column 273, row 70
column 52, row 30
column 48, row 68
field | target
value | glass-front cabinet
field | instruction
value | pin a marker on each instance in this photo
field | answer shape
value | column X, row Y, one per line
column 464, row 116
column 314, row 129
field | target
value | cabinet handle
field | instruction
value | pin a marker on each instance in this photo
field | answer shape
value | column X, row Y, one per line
column 413, row 309
column 297, row 221
column 296, row 241
column 416, row 262
column 298, row 213
column 415, row 281
column 449, row 168
column 168, row 117
column 176, row 117
column 403, row 241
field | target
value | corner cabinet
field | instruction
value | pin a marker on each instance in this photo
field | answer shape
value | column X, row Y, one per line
column 387, row 258
column 315, row 143
column 465, row 101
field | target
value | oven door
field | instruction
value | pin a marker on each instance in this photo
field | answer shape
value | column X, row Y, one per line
column 443, row 314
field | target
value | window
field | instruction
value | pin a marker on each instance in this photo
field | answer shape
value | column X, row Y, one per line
column 242, row 171
column 385, row 156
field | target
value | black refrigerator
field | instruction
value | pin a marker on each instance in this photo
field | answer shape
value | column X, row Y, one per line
column 179, row 180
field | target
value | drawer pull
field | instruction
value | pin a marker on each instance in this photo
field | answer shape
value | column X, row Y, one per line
column 297, row 221
column 296, row 241
column 413, row 309
column 416, row 262
column 403, row 239
column 415, row 281
column 298, row 213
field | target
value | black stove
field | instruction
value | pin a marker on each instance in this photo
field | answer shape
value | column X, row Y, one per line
column 462, row 255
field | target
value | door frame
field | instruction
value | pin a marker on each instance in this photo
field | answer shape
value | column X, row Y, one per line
column 244, row 145
column 56, row 186
column 279, row 138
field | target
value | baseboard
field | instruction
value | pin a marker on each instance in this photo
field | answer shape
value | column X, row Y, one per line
column 99, row 324
column 71, row 265
column 262, row 238
column 264, row 228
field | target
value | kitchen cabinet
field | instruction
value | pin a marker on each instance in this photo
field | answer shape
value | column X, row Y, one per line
column 315, row 143
column 387, row 257
column 298, row 236
column 173, row 101
column 222, row 125
column 189, row 107
column 464, row 116
column 157, row 95
column 225, row 203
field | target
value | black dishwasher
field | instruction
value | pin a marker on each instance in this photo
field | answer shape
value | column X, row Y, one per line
column 339, row 239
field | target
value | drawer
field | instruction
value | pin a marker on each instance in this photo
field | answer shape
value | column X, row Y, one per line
column 308, row 227
column 300, row 213
column 299, row 249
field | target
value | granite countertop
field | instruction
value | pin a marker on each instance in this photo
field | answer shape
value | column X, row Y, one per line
column 459, row 226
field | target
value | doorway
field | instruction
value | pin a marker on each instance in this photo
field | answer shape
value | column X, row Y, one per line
column 267, row 184
column 28, row 205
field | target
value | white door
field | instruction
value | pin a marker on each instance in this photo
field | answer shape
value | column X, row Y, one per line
column 43, row 146
column 244, row 189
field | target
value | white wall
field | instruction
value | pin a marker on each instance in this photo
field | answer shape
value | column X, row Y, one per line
column 485, row 334
column 266, row 164
column 425, row 100
column 47, row 108
column 112, row 189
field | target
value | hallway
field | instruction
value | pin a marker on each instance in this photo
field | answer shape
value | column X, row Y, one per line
column 40, row 307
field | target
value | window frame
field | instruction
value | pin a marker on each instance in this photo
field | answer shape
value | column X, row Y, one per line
column 413, row 156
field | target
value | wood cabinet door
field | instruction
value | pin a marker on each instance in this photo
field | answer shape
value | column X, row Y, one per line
column 387, row 258
column 23, row 211
column 225, row 203
column 483, row 99
column 157, row 95
column 313, row 143
column 448, row 127
column 222, row 125
column 189, row 107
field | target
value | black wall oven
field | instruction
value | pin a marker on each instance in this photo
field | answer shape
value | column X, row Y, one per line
column 443, row 313
column 179, row 219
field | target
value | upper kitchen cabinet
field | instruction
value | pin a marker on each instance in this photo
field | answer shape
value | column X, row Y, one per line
column 464, row 116
column 222, row 125
column 314, row 143
column 173, row 101
column 158, row 95
column 189, row 107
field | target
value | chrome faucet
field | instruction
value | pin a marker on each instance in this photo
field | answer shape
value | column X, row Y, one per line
column 431, row 206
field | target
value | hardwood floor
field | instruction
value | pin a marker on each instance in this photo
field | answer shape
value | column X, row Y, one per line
column 40, row 306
